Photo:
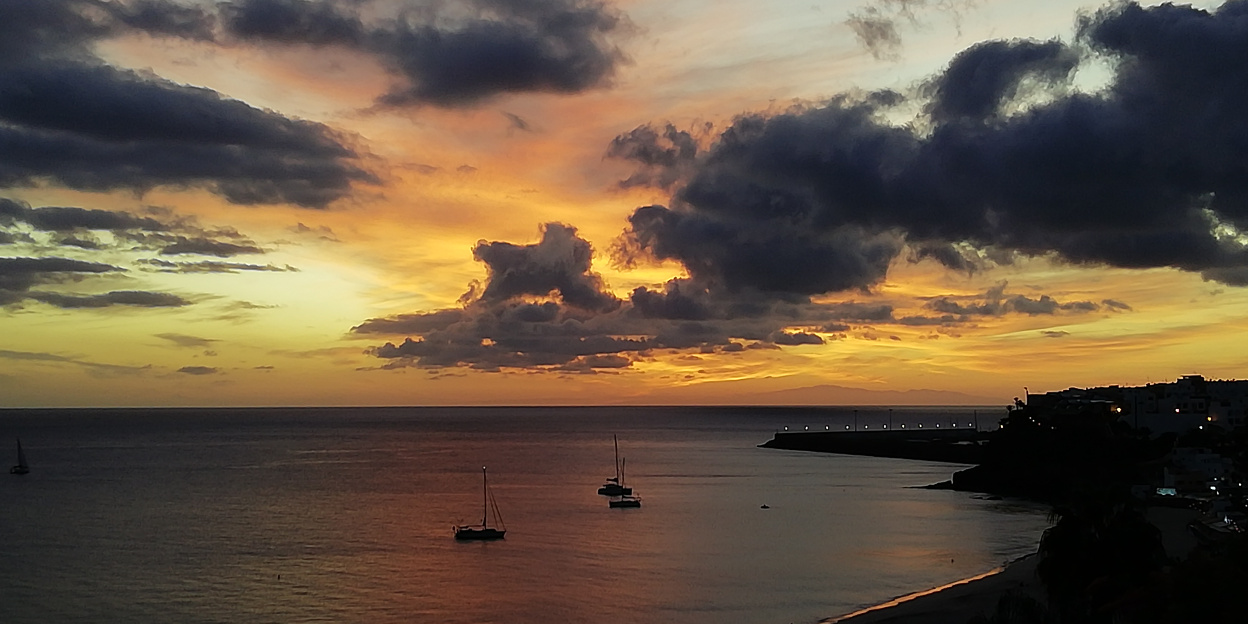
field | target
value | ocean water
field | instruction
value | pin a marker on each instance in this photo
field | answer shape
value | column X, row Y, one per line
column 345, row 515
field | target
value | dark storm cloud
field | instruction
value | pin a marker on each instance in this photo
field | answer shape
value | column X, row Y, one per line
column 554, row 46
column 996, row 303
column 99, row 128
column 30, row 356
column 517, row 122
column 164, row 18
column 878, row 23
column 322, row 232
column 796, row 338
column 1145, row 173
column 1007, row 161
column 207, row 247
column 183, row 340
column 155, row 230
column 542, row 308
column 135, row 298
column 926, row 321
column 68, row 118
column 198, row 370
column 69, row 218
column 982, row 77
column 876, row 32
column 20, row 274
column 412, row 323
column 210, row 266
column 294, row 21
column 680, row 301
column 595, row 363
column 664, row 156
column 456, row 56
column 1231, row 276
column 81, row 243
column 557, row 264
column 771, row 256
column 167, row 234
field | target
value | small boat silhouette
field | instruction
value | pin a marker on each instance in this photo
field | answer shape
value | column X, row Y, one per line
column 21, row 468
column 484, row 531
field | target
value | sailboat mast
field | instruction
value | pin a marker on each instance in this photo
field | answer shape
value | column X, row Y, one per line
column 485, row 498
column 616, row 439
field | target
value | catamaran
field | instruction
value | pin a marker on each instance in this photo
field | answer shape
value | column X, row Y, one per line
column 615, row 485
column 624, row 500
column 484, row 531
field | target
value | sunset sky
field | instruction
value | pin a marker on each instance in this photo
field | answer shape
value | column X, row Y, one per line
column 424, row 202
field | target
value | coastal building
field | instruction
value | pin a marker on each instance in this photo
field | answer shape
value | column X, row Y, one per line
column 1190, row 402
column 1196, row 471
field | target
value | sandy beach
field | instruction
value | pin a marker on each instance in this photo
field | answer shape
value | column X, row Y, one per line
column 954, row 603
column 958, row 602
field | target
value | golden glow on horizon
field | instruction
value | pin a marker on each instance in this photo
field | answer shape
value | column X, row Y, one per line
column 498, row 171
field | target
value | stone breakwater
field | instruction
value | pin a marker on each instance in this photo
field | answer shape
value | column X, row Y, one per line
column 960, row 446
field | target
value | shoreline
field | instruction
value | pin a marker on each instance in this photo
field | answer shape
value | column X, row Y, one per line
column 954, row 602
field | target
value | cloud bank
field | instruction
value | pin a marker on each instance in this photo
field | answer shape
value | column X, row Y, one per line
column 70, row 119
column 115, row 234
column 452, row 55
column 779, row 213
column 543, row 308
column 1008, row 159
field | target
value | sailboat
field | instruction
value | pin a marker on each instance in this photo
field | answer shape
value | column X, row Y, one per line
column 615, row 485
column 484, row 531
column 21, row 468
column 624, row 500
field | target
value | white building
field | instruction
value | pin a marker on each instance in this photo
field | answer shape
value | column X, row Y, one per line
column 1197, row 470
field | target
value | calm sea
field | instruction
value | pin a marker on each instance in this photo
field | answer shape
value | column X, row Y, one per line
column 345, row 515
